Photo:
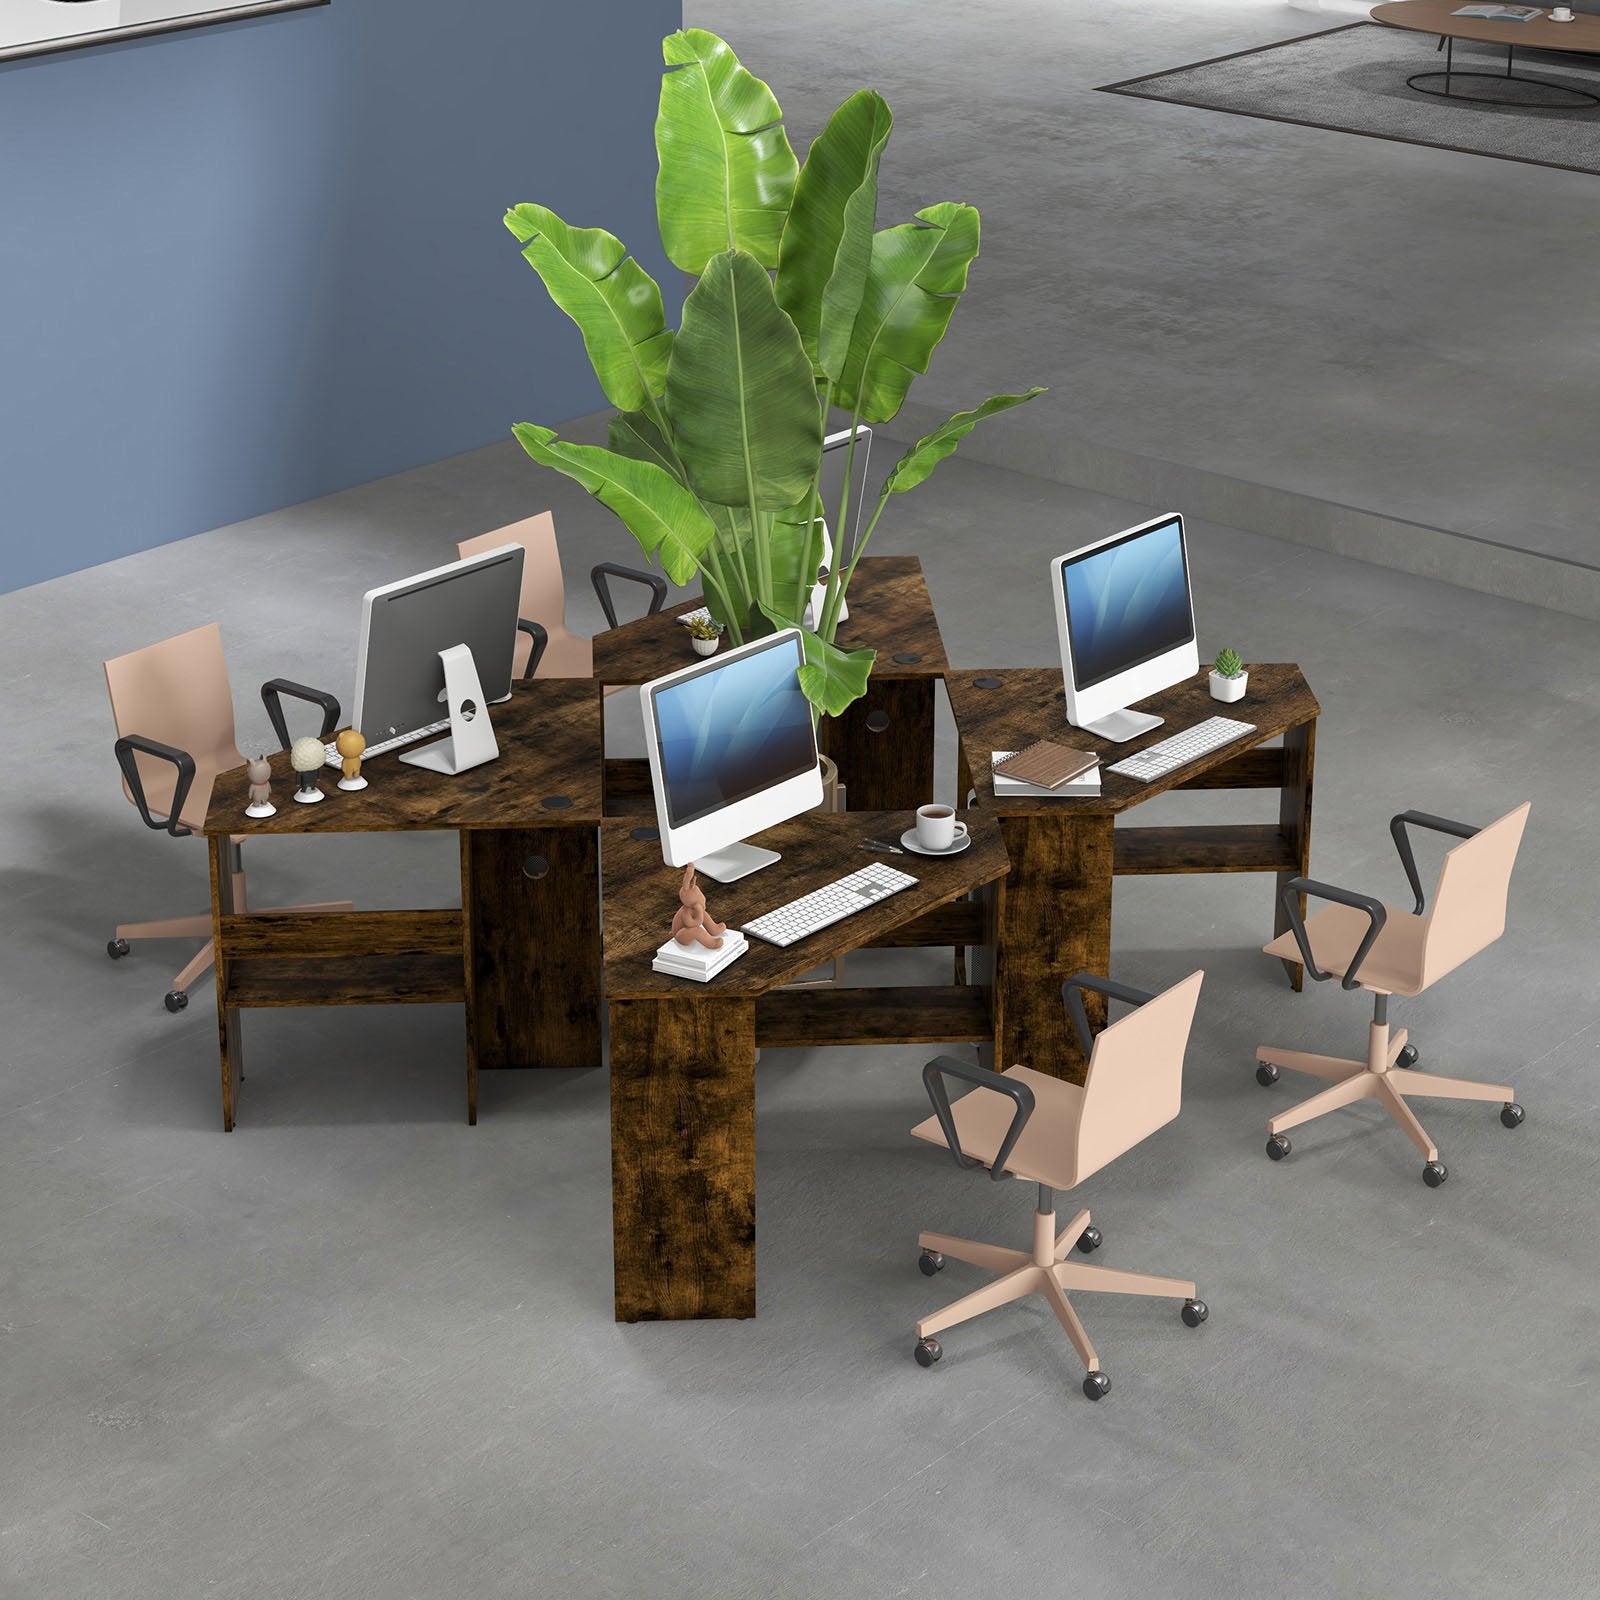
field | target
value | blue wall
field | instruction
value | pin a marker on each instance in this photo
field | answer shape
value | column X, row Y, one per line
column 256, row 262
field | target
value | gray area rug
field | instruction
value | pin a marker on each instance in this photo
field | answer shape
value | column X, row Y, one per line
column 1353, row 80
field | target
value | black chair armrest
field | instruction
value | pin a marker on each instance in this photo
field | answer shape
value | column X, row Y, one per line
column 181, row 759
column 600, row 575
column 1374, row 909
column 540, row 639
column 1072, row 993
column 933, row 1076
column 1402, row 843
column 272, row 693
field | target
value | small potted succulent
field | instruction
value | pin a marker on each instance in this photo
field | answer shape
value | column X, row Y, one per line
column 704, row 635
column 1228, row 677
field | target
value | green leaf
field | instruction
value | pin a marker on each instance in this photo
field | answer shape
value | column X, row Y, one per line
column 796, row 548
column 932, row 448
column 917, row 274
column 657, row 510
column 726, row 171
column 633, row 434
column 739, row 387
column 831, row 677
column 827, row 241
column 614, row 301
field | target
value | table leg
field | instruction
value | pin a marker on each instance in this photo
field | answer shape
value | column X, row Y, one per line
column 531, row 921
column 883, row 744
column 683, row 1157
column 1294, row 817
column 226, row 898
column 1054, row 920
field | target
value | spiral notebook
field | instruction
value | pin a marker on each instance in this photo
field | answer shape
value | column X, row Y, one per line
column 1046, row 764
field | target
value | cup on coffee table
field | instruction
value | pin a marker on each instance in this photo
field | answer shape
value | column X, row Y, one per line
column 937, row 828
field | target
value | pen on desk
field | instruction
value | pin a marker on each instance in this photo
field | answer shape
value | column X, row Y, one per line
column 880, row 844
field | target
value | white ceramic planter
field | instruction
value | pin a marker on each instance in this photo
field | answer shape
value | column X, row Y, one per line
column 705, row 647
column 1228, row 690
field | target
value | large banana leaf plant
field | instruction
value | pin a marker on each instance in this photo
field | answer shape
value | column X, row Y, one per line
column 802, row 305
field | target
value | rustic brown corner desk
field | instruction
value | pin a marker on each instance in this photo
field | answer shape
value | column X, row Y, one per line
column 523, row 950
column 883, row 742
column 1056, row 911
column 683, row 1054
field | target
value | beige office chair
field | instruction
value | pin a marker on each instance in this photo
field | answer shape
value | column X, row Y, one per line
column 560, row 652
column 1055, row 1135
column 174, row 715
column 1385, row 951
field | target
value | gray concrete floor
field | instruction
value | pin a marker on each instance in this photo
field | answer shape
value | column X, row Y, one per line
column 359, row 1349
column 1403, row 330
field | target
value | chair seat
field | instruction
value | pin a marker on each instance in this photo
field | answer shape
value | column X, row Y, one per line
column 1047, row 1150
column 1394, row 963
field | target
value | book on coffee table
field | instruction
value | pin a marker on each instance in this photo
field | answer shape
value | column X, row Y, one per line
column 1500, row 13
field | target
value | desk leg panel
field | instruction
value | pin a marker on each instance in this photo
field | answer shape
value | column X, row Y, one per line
column 531, row 922
column 225, row 901
column 1055, row 920
column 1294, row 817
column 683, row 1158
column 883, row 744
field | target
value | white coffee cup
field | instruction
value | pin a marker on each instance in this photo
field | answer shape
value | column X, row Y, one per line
column 937, row 828
column 1561, row 14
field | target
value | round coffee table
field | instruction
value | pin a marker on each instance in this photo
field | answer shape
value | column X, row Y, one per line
column 1581, row 36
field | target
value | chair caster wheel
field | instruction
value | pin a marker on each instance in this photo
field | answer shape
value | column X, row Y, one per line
column 1278, row 1147
column 1090, row 1239
column 1266, row 1074
column 1194, row 1313
column 1435, row 1173
column 1096, row 1384
column 927, row 1352
column 1407, row 1057
column 1511, row 1114
column 930, row 1261
column 116, row 948
column 176, row 1000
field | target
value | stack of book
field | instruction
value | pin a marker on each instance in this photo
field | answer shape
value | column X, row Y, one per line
column 1046, row 771
column 696, row 962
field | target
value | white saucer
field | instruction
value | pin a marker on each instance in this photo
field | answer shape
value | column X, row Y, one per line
column 908, row 840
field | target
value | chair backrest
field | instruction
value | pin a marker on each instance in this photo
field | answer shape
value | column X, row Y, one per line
column 1469, row 904
column 176, row 692
column 544, row 593
column 1135, row 1081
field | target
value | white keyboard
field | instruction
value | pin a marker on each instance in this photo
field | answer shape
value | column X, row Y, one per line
column 699, row 614
column 1181, row 749
column 332, row 758
column 833, row 902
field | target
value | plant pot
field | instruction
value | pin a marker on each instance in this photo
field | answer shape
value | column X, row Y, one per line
column 1228, row 690
column 832, row 789
column 705, row 647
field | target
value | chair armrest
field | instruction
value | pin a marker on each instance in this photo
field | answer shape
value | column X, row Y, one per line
column 600, row 575
column 272, row 693
column 1402, row 843
column 181, row 759
column 1071, row 993
column 933, row 1076
column 540, row 639
column 1374, row 909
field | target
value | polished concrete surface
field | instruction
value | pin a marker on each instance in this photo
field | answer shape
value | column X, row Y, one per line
column 358, row 1349
column 1397, row 340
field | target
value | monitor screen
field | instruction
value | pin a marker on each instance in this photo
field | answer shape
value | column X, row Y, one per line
column 1127, row 602
column 733, row 729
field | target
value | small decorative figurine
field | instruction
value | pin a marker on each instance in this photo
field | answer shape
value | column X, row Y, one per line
column 306, row 757
column 693, row 924
column 350, row 744
column 260, row 771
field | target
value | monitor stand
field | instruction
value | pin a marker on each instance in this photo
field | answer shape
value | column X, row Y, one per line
column 1121, row 726
column 735, row 861
column 471, row 740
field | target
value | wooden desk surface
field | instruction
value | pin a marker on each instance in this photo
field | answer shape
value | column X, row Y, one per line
column 550, row 741
column 641, row 897
column 890, row 612
column 1581, row 36
column 1029, row 703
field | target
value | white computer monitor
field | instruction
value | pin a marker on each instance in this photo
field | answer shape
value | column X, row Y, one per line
column 436, row 650
column 733, row 750
column 1125, row 619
